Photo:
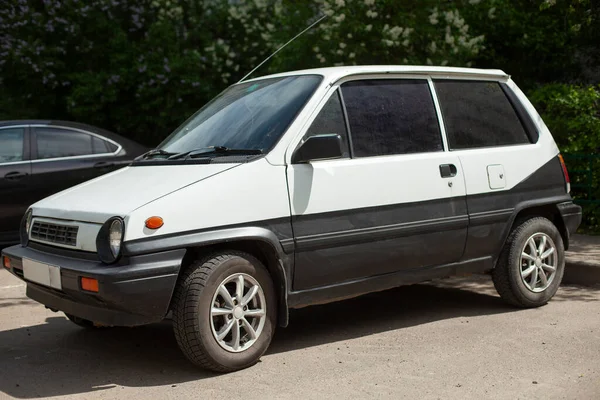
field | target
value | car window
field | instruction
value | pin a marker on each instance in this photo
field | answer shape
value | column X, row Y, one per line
column 331, row 120
column 391, row 116
column 99, row 146
column 250, row 115
column 478, row 114
column 111, row 147
column 11, row 144
column 61, row 142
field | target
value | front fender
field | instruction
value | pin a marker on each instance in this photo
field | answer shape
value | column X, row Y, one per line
column 282, row 265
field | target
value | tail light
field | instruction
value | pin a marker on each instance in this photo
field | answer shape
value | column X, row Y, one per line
column 565, row 173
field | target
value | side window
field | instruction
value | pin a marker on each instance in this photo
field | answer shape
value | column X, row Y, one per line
column 11, row 144
column 391, row 117
column 111, row 147
column 478, row 114
column 99, row 146
column 331, row 120
column 60, row 142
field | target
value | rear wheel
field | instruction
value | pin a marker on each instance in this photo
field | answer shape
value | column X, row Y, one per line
column 224, row 311
column 531, row 265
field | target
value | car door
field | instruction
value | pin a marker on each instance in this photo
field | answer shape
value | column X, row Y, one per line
column 496, row 143
column 15, row 180
column 63, row 157
column 395, row 202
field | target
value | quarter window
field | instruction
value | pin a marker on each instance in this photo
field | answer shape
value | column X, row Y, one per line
column 11, row 144
column 59, row 142
column 391, row 117
column 331, row 120
column 478, row 114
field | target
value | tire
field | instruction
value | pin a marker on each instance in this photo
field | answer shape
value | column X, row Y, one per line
column 511, row 278
column 195, row 325
column 84, row 323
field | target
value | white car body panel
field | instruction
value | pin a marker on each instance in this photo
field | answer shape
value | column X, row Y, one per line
column 122, row 191
column 255, row 191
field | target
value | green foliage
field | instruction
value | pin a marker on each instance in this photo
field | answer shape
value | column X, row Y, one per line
column 572, row 113
column 141, row 67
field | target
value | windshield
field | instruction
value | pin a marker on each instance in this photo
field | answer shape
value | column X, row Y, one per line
column 251, row 115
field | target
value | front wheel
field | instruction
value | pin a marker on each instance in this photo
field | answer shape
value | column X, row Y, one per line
column 531, row 264
column 224, row 311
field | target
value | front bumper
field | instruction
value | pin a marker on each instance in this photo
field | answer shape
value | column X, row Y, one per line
column 136, row 293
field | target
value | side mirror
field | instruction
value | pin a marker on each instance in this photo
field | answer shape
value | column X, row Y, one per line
column 318, row 147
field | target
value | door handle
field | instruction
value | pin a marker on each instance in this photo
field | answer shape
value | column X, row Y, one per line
column 448, row 170
column 14, row 176
column 103, row 164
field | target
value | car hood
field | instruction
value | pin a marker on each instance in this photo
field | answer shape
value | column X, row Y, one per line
column 120, row 192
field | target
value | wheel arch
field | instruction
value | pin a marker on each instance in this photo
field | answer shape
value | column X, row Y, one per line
column 547, row 209
column 256, row 241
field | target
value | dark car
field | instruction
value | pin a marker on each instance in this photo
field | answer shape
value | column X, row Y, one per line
column 39, row 158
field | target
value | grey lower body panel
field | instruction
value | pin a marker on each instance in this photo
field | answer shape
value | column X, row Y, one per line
column 359, row 243
column 359, row 287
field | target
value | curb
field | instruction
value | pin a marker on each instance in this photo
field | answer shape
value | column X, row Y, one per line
column 581, row 273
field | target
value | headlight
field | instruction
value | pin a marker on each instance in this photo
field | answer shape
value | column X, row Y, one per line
column 25, row 227
column 115, row 237
column 110, row 239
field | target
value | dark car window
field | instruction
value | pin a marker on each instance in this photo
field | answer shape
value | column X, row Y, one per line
column 111, row 147
column 478, row 114
column 11, row 144
column 331, row 120
column 61, row 142
column 391, row 117
column 99, row 146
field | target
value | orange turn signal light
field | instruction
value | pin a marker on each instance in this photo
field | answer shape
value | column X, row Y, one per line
column 154, row 222
column 90, row 284
column 6, row 262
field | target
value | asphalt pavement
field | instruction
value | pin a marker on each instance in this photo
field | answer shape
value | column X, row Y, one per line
column 453, row 339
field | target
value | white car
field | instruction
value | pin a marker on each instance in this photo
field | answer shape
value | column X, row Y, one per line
column 302, row 188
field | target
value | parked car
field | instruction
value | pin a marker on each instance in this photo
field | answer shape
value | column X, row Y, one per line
column 304, row 188
column 39, row 158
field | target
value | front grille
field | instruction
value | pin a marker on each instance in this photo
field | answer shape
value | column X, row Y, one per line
column 53, row 233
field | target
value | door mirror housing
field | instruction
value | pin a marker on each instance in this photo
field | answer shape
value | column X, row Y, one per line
column 318, row 147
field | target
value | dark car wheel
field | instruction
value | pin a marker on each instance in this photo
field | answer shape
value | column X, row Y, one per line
column 531, row 265
column 224, row 311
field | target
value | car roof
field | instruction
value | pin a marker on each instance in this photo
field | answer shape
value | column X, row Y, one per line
column 128, row 143
column 335, row 73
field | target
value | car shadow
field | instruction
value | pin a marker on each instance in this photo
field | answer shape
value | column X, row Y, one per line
column 16, row 301
column 58, row 358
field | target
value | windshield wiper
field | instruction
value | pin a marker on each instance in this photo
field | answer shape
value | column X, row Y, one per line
column 214, row 150
column 155, row 152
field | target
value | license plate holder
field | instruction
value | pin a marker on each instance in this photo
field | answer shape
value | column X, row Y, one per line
column 44, row 274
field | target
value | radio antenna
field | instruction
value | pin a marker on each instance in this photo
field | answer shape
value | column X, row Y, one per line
column 281, row 48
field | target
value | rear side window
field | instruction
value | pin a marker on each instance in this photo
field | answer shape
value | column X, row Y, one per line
column 99, row 146
column 11, row 144
column 391, row 117
column 60, row 142
column 331, row 120
column 478, row 114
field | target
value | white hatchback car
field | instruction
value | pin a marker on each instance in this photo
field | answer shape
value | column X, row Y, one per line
column 302, row 188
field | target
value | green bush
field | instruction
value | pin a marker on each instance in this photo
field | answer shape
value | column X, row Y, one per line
column 141, row 67
column 572, row 113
